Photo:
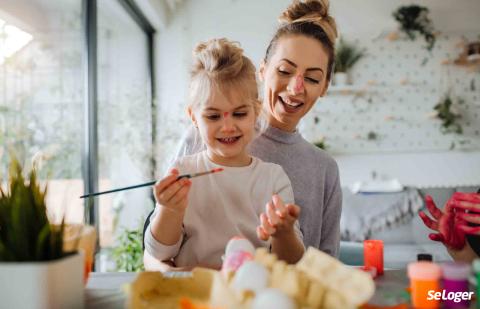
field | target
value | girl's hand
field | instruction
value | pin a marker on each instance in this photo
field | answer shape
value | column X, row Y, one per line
column 171, row 193
column 468, row 202
column 445, row 223
column 278, row 219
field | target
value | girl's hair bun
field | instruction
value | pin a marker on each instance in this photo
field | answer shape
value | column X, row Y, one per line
column 218, row 58
column 311, row 11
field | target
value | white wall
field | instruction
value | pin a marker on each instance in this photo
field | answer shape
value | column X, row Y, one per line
column 252, row 23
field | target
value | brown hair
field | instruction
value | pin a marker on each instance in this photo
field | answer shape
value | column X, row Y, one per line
column 310, row 18
column 220, row 63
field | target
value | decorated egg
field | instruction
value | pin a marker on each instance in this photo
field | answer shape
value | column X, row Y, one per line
column 239, row 243
column 251, row 276
column 234, row 260
column 273, row 298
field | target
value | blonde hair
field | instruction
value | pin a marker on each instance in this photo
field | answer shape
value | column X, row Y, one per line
column 220, row 64
column 312, row 19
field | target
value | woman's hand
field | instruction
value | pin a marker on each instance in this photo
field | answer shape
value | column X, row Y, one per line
column 468, row 202
column 278, row 219
column 172, row 193
column 445, row 223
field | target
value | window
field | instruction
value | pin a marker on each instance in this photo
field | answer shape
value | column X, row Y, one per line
column 41, row 96
column 124, row 119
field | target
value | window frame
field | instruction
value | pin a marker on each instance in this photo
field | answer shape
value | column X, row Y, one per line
column 90, row 173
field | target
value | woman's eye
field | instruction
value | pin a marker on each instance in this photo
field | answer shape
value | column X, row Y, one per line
column 212, row 117
column 240, row 114
column 283, row 72
column 312, row 80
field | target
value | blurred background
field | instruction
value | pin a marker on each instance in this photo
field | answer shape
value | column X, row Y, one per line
column 95, row 91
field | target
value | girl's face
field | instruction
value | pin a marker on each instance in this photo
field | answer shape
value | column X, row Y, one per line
column 226, row 125
column 294, row 78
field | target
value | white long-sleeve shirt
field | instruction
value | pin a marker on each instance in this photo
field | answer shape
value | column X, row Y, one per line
column 220, row 206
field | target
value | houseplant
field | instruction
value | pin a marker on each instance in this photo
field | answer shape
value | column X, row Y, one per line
column 414, row 19
column 446, row 111
column 128, row 254
column 346, row 56
column 35, row 270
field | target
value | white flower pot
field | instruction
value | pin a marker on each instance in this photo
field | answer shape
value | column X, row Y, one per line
column 51, row 284
column 341, row 79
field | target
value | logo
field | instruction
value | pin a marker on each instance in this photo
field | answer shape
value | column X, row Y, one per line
column 455, row 296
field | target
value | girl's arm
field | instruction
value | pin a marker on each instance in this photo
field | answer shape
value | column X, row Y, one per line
column 172, row 200
column 163, row 234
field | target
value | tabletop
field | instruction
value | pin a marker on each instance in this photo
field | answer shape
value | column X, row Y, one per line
column 104, row 290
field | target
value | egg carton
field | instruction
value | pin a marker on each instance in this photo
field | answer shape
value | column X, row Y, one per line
column 316, row 281
column 156, row 290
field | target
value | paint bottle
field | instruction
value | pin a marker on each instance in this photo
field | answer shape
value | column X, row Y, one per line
column 373, row 255
column 476, row 270
column 424, row 257
column 455, row 280
column 424, row 278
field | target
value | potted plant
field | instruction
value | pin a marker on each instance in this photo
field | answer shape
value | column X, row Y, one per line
column 446, row 110
column 414, row 19
column 35, row 270
column 346, row 56
column 128, row 254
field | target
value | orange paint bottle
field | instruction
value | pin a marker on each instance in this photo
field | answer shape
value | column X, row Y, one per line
column 424, row 282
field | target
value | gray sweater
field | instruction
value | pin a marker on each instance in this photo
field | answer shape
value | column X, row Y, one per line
column 314, row 177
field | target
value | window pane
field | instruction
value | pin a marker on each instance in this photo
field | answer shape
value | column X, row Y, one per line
column 124, row 120
column 41, row 95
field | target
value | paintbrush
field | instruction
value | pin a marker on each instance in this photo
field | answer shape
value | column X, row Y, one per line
column 151, row 183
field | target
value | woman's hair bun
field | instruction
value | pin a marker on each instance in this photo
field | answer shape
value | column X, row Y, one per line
column 218, row 58
column 311, row 11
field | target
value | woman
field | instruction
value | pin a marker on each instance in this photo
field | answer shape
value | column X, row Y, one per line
column 295, row 72
column 457, row 230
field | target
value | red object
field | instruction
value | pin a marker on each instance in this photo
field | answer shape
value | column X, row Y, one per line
column 373, row 254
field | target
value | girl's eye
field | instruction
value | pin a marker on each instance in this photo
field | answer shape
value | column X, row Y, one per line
column 312, row 80
column 240, row 114
column 212, row 117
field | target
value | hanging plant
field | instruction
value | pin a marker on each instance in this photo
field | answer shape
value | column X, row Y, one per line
column 320, row 143
column 447, row 112
column 346, row 56
column 414, row 19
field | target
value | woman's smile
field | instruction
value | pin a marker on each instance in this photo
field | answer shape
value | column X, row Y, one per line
column 290, row 105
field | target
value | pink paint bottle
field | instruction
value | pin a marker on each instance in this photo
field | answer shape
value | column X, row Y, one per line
column 455, row 280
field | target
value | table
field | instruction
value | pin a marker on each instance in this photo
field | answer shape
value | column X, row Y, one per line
column 104, row 290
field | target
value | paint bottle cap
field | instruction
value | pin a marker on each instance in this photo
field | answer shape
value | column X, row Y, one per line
column 424, row 271
column 456, row 270
column 424, row 257
column 476, row 265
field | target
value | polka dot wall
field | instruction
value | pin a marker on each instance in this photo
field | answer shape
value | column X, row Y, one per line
column 389, row 107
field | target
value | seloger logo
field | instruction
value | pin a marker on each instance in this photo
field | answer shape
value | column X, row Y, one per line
column 443, row 295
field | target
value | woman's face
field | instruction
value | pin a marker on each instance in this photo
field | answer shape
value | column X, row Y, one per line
column 294, row 78
column 226, row 125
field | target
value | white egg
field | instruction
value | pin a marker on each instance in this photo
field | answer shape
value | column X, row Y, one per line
column 273, row 298
column 239, row 244
column 251, row 276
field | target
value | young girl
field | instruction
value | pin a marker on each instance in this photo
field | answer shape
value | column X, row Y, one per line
column 194, row 219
